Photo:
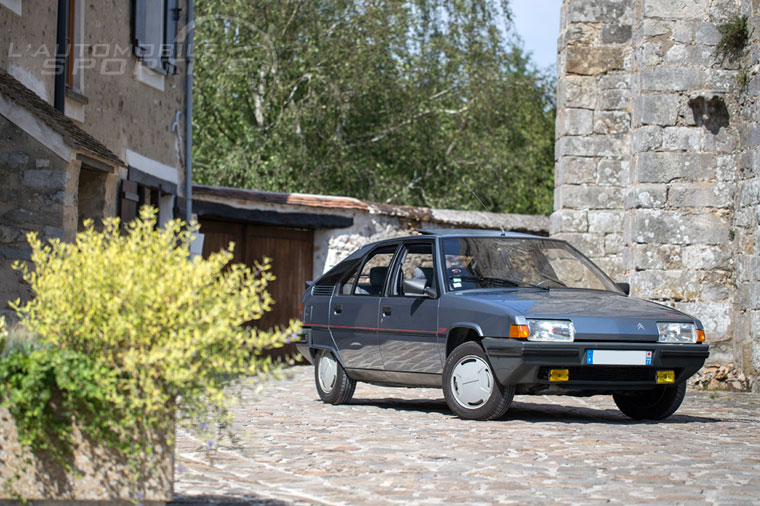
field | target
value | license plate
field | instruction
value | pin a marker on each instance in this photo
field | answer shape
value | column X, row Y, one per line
column 618, row 357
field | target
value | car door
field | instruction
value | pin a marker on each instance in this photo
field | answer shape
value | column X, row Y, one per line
column 408, row 324
column 354, row 311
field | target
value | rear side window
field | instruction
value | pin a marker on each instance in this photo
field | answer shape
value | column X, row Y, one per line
column 372, row 276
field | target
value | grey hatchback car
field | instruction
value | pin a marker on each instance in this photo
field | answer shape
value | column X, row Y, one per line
column 487, row 315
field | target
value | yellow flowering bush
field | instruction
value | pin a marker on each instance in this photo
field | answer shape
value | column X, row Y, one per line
column 131, row 328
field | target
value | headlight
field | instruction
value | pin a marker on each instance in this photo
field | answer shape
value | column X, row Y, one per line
column 551, row 330
column 677, row 332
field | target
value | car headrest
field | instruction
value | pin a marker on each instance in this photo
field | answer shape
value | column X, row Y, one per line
column 377, row 276
column 423, row 273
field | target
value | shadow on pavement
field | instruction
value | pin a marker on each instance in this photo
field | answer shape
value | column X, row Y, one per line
column 218, row 500
column 533, row 412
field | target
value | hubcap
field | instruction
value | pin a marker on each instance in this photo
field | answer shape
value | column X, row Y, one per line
column 328, row 372
column 471, row 382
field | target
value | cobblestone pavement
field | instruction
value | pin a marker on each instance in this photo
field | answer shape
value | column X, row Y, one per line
column 403, row 446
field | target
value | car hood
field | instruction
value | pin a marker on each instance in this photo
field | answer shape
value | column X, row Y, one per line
column 596, row 315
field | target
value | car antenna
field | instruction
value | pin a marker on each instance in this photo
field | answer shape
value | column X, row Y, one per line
column 503, row 232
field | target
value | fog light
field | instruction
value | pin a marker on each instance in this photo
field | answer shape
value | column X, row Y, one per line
column 559, row 375
column 666, row 376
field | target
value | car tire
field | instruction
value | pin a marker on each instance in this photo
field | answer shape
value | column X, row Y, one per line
column 470, row 385
column 333, row 384
column 656, row 404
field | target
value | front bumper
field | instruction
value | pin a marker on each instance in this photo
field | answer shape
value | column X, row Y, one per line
column 528, row 363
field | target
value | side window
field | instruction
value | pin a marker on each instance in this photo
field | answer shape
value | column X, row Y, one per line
column 375, row 270
column 416, row 263
column 348, row 284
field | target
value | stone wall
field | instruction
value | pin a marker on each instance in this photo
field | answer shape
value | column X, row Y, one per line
column 37, row 194
column 660, row 186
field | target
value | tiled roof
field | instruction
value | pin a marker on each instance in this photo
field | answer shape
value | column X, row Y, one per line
column 72, row 135
column 296, row 199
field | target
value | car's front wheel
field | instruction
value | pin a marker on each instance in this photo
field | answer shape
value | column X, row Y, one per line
column 656, row 404
column 333, row 384
column 470, row 386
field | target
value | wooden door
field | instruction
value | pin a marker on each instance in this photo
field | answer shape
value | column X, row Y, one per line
column 291, row 254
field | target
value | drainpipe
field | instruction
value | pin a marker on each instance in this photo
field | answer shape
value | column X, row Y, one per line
column 60, row 56
column 189, row 114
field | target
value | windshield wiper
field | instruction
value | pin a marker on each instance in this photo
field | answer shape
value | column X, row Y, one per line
column 500, row 281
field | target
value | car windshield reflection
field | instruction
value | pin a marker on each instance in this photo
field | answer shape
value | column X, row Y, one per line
column 489, row 262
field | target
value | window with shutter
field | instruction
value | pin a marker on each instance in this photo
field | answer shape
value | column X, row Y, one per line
column 155, row 24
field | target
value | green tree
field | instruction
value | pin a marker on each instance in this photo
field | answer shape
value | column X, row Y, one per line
column 409, row 102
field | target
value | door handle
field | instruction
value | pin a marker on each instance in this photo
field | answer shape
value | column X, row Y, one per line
column 387, row 310
column 338, row 309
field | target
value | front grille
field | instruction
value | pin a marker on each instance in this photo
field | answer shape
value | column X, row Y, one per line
column 607, row 374
column 323, row 290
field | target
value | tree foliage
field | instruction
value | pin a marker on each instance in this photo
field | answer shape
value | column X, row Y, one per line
column 409, row 102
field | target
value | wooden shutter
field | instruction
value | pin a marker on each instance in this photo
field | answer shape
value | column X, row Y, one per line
column 139, row 29
column 129, row 200
column 171, row 17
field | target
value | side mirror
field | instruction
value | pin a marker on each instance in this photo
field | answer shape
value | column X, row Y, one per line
column 625, row 287
column 417, row 287
column 308, row 284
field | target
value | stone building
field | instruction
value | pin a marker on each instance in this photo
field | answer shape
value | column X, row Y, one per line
column 658, row 157
column 91, row 103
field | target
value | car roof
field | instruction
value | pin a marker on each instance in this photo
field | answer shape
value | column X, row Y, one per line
column 465, row 232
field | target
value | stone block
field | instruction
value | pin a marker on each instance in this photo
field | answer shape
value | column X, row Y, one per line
column 45, row 179
column 669, row 79
column 716, row 287
column 706, row 257
column 646, row 138
column 593, row 60
column 13, row 160
column 674, row 9
column 683, row 31
column 655, row 257
column 576, row 91
column 618, row 99
column 707, row 33
column 646, row 196
column 574, row 122
column 613, row 244
column 579, row 33
column 605, row 222
column 595, row 146
column 664, row 167
column 590, row 245
column 749, row 193
column 655, row 28
column 700, row 195
column 656, row 109
column 677, row 285
column 576, row 170
column 721, row 80
column 598, row 11
column 725, row 141
column 615, row 81
column 616, row 34
column 567, row 220
column 682, row 138
column 675, row 227
column 590, row 197
column 611, row 122
column 611, row 172
column 649, row 54
column 685, row 55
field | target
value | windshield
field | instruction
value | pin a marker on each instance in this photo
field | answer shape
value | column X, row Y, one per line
column 488, row 262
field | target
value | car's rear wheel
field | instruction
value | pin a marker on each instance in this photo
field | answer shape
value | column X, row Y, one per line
column 656, row 404
column 333, row 384
column 470, row 386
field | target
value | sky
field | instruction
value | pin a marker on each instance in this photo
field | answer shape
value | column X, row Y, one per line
column 537, row 23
